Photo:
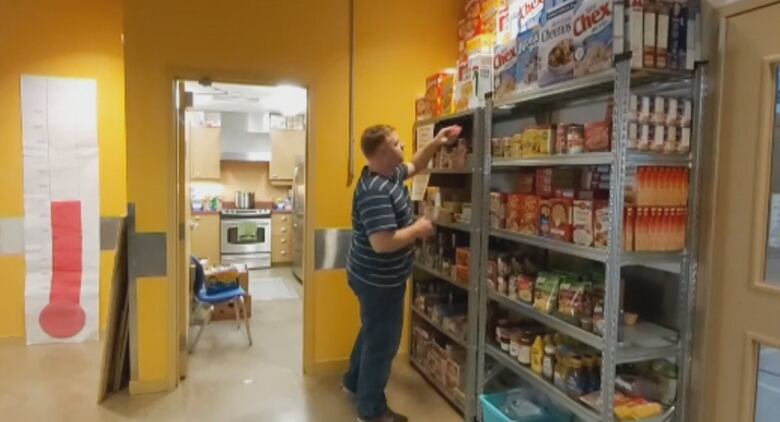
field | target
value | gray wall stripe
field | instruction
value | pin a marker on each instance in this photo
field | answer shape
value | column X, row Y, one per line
column 109, row 232
column 12, row 236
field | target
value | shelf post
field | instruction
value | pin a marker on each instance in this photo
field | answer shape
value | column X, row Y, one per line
column 616, row 200
column 688, row 278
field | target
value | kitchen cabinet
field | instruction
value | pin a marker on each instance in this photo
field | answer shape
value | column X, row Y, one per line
column 205, row 237
column 285, row 146
column 204, row 152
column 281, row 238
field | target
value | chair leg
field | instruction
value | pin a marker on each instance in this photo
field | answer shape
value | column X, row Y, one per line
column 246, row 319
column 202, row 327
column 235, row 311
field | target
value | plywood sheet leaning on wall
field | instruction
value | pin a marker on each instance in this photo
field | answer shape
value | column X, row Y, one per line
column 115, row 365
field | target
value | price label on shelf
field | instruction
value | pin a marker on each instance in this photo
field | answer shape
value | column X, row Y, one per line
column 424, row 135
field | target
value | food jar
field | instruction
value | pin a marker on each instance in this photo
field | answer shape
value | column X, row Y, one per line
column 576, row 380
column 524, row 349
column 575, row 139
column 548, row 362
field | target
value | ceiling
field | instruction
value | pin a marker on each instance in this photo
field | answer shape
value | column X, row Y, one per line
column 285, row 99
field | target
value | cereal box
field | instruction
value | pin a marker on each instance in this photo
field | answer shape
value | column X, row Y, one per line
column 531, row 14
column 528, row 58
column 505, row 70
column 593, row 36
column 528, row 222
column 556, row 43
column 439, row 92
column 508, row 21
column 482, row 43
column 561, row 219
column 597, row 136
column 601, row 224
column 422, row 108
column 481, row 74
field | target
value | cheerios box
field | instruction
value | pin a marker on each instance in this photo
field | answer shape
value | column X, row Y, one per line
column 593, row 34
column 528, row 58
column 556, row 42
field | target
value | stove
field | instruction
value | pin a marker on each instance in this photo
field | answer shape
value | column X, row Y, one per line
column 245, row 237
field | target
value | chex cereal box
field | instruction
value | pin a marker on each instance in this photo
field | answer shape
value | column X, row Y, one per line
column 593, row 36
column 531, row 14
column 505, row 70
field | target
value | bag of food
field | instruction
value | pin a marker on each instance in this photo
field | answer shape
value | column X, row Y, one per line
column 546, row 292
column 573, row 297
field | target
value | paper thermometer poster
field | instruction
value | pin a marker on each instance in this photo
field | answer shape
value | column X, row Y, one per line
column 61, row 209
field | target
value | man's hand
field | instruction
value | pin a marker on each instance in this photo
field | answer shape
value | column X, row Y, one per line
column 448, row 135
column 423, row 228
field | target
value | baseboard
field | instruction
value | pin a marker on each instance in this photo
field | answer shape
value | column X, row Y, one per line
column 149, row 387
column 339, row 366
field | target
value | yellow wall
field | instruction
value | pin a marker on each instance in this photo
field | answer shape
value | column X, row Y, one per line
column 80, row 39
column 304, row 43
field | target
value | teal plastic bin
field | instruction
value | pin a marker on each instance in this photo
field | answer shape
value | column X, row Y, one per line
column 493, row 403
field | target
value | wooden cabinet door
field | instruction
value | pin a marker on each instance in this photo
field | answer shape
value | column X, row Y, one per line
column 205, row 237
column 205, row 152
column 285, row 145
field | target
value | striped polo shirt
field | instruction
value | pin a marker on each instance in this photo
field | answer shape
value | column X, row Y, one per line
column 380, row 204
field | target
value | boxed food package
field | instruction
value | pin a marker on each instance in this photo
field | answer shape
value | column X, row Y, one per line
column 538, row 141
column 556, row 48
column 480, row 73
column 649, row 38
column 439, row 92
column 545, row 212
column 546, row 292
column 508, row 21
column 636, row 31
column 544, row 186
column 482, row 43
column 601, row 224
column 473, row 24
column 531, row 14
column 524, row 286
column 528, row 58
column 593, row 36
column 582, row 222
column 560, row 219
column 524, row 218
column 597, row 137
column 498, row 204
column 462, row 256
column 462, row 273
column 422, row 108
column 505, row 70
column 678, row 21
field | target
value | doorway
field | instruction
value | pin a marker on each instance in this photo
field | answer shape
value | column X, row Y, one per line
column 241, row 213
column 741, row 372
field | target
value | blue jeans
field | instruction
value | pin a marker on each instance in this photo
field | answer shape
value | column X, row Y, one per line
column 381, row 316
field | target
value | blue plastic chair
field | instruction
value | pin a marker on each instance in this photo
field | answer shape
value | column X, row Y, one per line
column 203, row 297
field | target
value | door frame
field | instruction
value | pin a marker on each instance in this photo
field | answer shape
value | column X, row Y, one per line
column 705, row 338
column 179, row 247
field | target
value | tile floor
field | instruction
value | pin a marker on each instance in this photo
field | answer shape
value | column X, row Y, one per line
column 227, row 381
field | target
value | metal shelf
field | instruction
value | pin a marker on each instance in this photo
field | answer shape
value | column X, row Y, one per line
column 446, row 171
column 596, row 84
column 464, row 227
column 453, row 116
column 439, row 275
column 586, row 252
column 557, row 396
column 642, row 342
column 443, row 391
column 641, row 158
column 593, row 158
column 459, row 341
column 548, row 320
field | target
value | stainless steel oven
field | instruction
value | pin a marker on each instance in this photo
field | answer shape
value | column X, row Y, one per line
column 245, row 237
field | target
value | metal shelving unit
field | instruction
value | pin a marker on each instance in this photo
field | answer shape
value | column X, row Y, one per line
column 459, row 341
column 474, row 120
column 645, row 341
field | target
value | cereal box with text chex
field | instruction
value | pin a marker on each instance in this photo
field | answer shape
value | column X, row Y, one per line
column 531, row 14
column 593, row 36
column 556, row 43
column 505, row 82
column 508, row 21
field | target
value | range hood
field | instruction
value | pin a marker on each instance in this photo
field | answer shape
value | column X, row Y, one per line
column 243, row 138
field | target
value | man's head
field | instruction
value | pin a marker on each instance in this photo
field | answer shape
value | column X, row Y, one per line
column 382, row 148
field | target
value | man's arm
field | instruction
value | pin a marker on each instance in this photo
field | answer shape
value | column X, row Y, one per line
column 424, row 155
column 392, row 241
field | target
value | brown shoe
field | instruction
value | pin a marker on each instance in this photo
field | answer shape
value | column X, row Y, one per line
column 389, row 416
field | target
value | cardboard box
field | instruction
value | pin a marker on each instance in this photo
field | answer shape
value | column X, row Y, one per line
column 423, row 109
column 582, row 222
column 561, row 219
column 601, row 224
column 593, row 36
column 508, row 21
column 556, row 49
column 439, row 92
column 225, row 311
column 531, row 14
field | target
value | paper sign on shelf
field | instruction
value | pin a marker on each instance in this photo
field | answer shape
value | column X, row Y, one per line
column 419, row 186
column 61, row 204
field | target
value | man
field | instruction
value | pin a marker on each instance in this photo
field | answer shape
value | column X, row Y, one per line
column 380, row 261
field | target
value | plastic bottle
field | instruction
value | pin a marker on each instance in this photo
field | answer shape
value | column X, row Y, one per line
column 537, row 355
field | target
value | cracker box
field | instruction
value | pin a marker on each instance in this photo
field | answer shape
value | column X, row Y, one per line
column 528, row 222
column 597, row 136
column 601, row 224
column 505, row 82
column 545, row 214
column 531, row 14
column 556, row 43
column 593, row 36
column 582, row 222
